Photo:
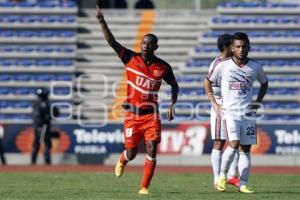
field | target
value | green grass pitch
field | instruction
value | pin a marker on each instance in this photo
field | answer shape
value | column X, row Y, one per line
column 165, row 186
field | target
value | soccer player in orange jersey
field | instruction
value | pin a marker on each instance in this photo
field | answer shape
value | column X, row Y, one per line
column 145, row 73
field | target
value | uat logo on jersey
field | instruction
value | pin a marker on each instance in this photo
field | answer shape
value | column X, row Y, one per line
column 145, row 83
column 239, row 85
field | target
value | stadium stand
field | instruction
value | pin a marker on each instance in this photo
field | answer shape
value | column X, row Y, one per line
column 37, row 49
column 38, row 45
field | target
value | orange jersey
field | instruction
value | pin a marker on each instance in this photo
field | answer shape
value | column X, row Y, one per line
column 143, row 82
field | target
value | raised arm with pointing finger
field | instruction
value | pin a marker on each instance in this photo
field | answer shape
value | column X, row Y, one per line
column 109, row 37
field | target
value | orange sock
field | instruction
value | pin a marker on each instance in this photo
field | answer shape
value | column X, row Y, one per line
column 123, row 158
column 149, row 168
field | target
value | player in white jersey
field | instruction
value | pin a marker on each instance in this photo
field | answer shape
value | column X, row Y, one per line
column 238, row 111
column 216, row 126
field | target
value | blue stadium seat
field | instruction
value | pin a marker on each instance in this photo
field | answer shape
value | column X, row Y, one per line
column 64, row 77
column 291, row 105
column 66, row 34
column 4, row 104
column 7, row 62
column 5, row 77
column 44, row 77
column 4, row 91
column 24, row 62
column 26, row 4
column 15, row 117
column 292, row 79
column 66, row 49
column 249, row 4
column 64, row 62
column 21, row 117
column 67, row 19
column 9, row 18
column 164, row 105
column 45, row 33
column 47, row 4
column 25, row 48
column 28, row 19
column 22, row 91
column 7, row 33
column 7, row 4
column 22, row 104
column 68, row 4
column 46, row 49
column 22, row 77
column 189, row 79
column 271, row 104
column 295, row 33
column 25, row 34
column 44, row 62
column 6, row 48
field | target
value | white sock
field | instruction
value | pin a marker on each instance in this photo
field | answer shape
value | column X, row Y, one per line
column 233, row 169
column 227, row 158
column 244, row 167
column 216, row 156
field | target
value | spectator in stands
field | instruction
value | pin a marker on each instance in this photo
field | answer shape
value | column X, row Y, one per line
column 145, row 73
column 144, row 4
column 42, row 125
column 2, row 133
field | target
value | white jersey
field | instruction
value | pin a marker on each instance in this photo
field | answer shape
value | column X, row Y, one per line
column 237, row 84
column 216, row 85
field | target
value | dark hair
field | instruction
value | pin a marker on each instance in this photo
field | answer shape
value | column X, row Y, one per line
column 154, row 37
column 224, row 41
column 241, row 36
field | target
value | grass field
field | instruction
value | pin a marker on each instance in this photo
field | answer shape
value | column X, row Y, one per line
column 165, row 186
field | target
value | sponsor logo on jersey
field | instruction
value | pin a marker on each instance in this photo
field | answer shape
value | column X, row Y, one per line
column 239, row 85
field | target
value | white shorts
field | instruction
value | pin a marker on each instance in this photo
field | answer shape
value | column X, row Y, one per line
column 216, row 127
column 242, row 130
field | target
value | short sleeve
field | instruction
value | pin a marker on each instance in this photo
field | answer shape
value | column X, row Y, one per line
column 213, row 64
column 126, row 55
column 215, row 74
column 261, row 76
column 169, row 75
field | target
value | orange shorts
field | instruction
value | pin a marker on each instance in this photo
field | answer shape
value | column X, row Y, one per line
column 137, row 127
